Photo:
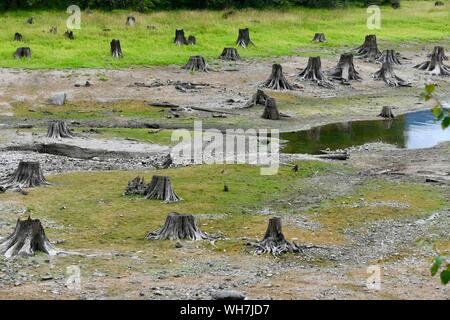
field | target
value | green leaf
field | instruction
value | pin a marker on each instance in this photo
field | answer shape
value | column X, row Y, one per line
column 445, row 276
column 440, row 116
column 446, row 122
column 436, row 265
column 436, row 110
column 429, row 88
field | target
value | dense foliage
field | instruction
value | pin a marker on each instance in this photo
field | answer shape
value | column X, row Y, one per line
column 143, row 5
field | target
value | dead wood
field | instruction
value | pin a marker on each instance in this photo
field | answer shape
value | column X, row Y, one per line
column 277, row 81
column 244, row 38
column 197, row 63
column 58, row 129
column 230, row 54
column 27, row 175
column 271, row 111
column 345, row 69
column 116, row 49
column 274, row 241
column 386, row 112
column 179, row 227
column 387, row 74
column 313, row 72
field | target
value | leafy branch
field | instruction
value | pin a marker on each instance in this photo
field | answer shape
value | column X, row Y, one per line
column 441, row 113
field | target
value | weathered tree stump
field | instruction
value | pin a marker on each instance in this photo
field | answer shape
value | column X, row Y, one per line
column 161, row 189
column 313, row 72
column 369, row 49
column 27, row 175
column 244, row 38
column 260, row 97
column 277, row 81
column 191, row 40
column 30, row 20
column 439, row 4
column 386, row 112
column 274, row 241
column 319, row 37
column 180, row 39
column 435, row 66
column 131, row 21
column 271, row 111
column 225, row 188
column 69, row 35
column 179, row 227
column 136, row 186
column 27, row 238
column 345, row 69
column 58, row 130
column 197, row 63
column 116, row 49
column 53, row 30
column 440, row 51
column 387, row 74
column 18, row 37
column 389, row 56
column 24, row 52
column 395, row 4
column 230, row 54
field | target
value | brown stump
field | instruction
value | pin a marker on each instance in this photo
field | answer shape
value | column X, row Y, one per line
column 440, row 51
column 395, row 4
column 386, row 112
column 131, row 21
column 27, row 175
column 116, row 49
column 30, row 20
column 230, row 54
column 274, row 241
column 27, row 238
column 369, row 49
column 313, row 72
column 191, row 40
column 345, row 69
column 53, row 30
column 197, row 63
column 244, row 38
column 179, row 37
column 258, row 98
column 18, row 37
column 58, row 129
column 271, row 111
column 179, row 227
column 136, row 186
column 277, row 81
column 319, row 37
column 435, row 65
column 387, row 74
column 24, row 52
column 389, row 56
column 69, row 35
column 161, row 189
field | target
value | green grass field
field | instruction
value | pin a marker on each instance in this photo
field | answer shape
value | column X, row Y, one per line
column 275, row 33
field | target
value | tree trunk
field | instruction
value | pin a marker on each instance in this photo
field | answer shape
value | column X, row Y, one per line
column 389, row 56
column 271, row 111
column 53, row 30
column 27, row 175
column 369, row 49
column 258, row 98
column 131, row 21
column 69, row 35
column 136, row 186
column 22, row 53
column 277, row 81
column 58, row 129
column 313, row 72
column 345, row 69
column 18, row 37
column 435, row 66
column 191, row 40
column 274, row 241
column 386, row 112
column 244, row 38
column 440, row 51
column 161, row 189
column 116, row 49
column 27, row 238
column 319, row 37
column 386, row 73
column 230, row 54
column 179, row 227
column 179, row 38
column 197, row 63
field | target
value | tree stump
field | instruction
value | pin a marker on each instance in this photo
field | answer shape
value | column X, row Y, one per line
column 271, row 111
column 345, row 69
column 179, row 38
column 197, row 63
column 389, row 56
column 369, row 49
column 131, row 21
column 277, row 81
column 53, row 30
column 313, row 72
column 191, row 40
column 58, row 129
column 230, row 54
column 30, row 20
column 27, row 175
column 274, row 241
column 161, row 189
column 136, row 186
column 116, row 49
column 179, row 227
column 440, row 51
column 435, row 66
column 18, row 37
column 69, row 35
column 244, row 38
column 386, row 112
column 27, row 238
column 24, row 52
column 319, row 37
column 438, row 3
column 260, row 97
column 387, row 74
column 395, row 4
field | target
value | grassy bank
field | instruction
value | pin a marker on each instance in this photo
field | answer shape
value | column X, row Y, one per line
column 275, row 33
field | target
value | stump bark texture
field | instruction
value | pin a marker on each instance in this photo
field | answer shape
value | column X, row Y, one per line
column 386, row 112
column 271, row 111
column 277, row 81
column 345, row 69
column 179, row 227
column 313, row 72
column 369, row 49
column 116, row 49
column 260, row 97
column 58, row 129
column 18, row 37
column 244, row 38
column 230, row 54
column 274, row 241
column 387, row 74
column 435, row 66
column 180, row 39
column 197, row 63
column 23, row 52
column 27, row 175
column 319, row 37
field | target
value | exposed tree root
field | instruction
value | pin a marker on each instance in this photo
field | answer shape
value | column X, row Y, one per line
column 319, row 37
column 260, row 97
column 27, row 175
column 345, row 69
column 435, row 66
column 274, row 241
column 277, row 81
column 369, row 49
column 386, row 112
column 58, row 129
column 197, row 63
column 116, row 49
column 313, row 72
column 180, row 39
column 387, row 74
column 244, row 38
column 230, row 54
column 179, row 227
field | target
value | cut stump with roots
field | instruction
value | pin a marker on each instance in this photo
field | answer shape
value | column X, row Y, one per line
column 274, row 241
column 440, row 51
column 386, row 112
column 277, row 81
column 345, row 69
column 313, row 72
column 180, row 39
column 27, row 175
column 24, row 52
column 387, row 74
column 260, row 97
column 244, row 38
column 69, row 35
column 27, row 238
column 271, row 111
column 390, row 56
column 192, row 40
column 116, row 49
column 435, row 66
column 369, row 49
column 230, row 54
column 197, row 63
column 53, row 30
column 18, row 37
column 131, row 21
column 319, row 37
column 58, row 130
column 136, row 186
column 161, row 189
column 179, row 227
